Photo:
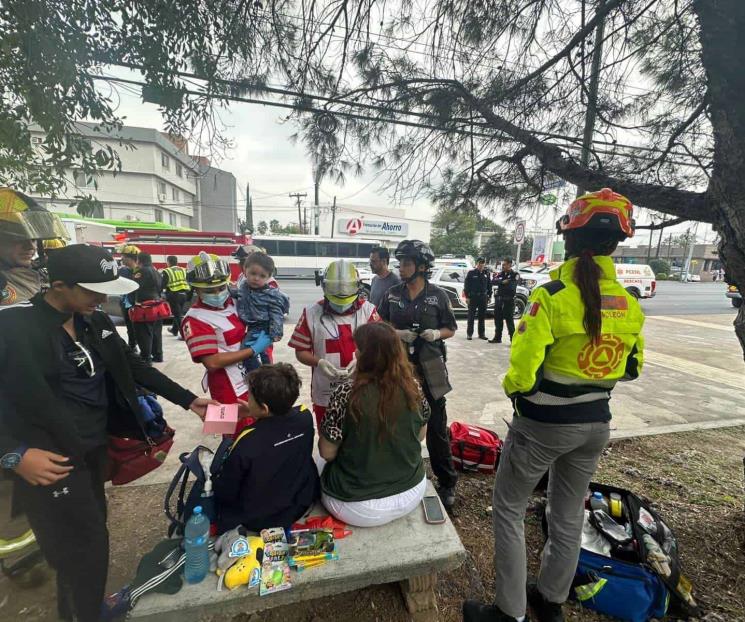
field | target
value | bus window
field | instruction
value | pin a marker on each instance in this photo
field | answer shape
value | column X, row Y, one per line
column 364, row 250
column 270, row 246
column 306, row 249
column 286, row 247
column 326, row 249
column 347, row 249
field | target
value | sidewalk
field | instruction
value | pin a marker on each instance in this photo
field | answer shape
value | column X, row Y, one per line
column 694, row 377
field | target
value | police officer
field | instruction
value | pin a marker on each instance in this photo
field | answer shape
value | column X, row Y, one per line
column 422, row 316
column 560, row 396
column 477, row 288
column 177, row 289
column 505, row 281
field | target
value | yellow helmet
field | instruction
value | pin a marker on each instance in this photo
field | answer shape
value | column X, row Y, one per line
column 22, row 218
column 341, row 283
column 207, row 270
column 128, row 249
column 54, row 244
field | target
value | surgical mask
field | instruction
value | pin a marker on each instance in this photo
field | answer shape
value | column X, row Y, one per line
column 339, row 308
column 215, row 300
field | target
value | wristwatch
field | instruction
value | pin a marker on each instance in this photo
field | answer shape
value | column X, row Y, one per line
column 12, row 459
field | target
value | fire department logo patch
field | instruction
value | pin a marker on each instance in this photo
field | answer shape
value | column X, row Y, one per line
column 599, row 360
column 8, row 295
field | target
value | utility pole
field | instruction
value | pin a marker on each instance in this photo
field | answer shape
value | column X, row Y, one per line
column 333, row 217
column 297, row 196
column 592, row 95
column 649, row 246
column 249, row 210
column 691, row 243
column 669, row 246
column 659, row 240
column 316, row 205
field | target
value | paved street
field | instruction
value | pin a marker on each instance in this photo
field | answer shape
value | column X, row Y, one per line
column 694, row 373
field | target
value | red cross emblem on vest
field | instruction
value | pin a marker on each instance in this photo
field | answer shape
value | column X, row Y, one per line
column 343, row 345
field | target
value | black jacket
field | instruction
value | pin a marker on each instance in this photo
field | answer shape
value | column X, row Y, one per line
column 31, row 413
column 477, row 283
column 269, row 478
column 150, row 282
column 509, row 289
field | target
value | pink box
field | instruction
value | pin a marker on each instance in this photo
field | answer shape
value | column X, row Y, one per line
column 221, row 419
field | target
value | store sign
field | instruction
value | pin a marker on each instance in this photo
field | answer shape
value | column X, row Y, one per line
column 363, row 227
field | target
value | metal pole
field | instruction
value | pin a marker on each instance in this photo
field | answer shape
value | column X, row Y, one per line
column 517, row 258
column 316, row 204
column 692, row 243
column 649, row 246
column 249, row 210
column 659, row 240
column 592, row 95
column 297, row 196
column 333, row 217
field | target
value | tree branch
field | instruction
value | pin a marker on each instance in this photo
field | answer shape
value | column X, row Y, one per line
column 662, row 225
column 666, row 199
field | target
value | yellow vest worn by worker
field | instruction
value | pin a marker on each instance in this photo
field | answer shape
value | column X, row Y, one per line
column 176, row 279
column 557, row 374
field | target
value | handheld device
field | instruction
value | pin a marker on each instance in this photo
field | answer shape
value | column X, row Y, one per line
column 433, row 513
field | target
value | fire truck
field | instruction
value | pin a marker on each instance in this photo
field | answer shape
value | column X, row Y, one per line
column 183, row 244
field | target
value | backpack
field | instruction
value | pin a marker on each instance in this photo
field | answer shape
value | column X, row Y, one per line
column 191, row 467
column 474, row 448
column 625, row 585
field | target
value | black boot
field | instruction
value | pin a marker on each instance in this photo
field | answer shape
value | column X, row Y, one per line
column 543, row 610
column 474, row 611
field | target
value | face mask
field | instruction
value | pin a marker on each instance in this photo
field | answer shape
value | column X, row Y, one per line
column 339, row 308
column 215, row 300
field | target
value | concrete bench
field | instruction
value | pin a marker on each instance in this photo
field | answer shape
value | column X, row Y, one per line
column 407, row 551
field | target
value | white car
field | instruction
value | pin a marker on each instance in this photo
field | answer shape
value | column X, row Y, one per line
column 451, row 281
column 690, row 278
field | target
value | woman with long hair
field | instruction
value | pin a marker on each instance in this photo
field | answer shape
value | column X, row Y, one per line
column 371, row 435
column 580, row 334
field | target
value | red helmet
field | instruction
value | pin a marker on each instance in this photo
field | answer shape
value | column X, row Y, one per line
column 603, row 209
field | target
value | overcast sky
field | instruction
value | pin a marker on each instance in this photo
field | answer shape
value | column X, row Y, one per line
column 264, row 157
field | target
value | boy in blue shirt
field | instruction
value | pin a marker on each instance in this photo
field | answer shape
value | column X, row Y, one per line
column 269, row 477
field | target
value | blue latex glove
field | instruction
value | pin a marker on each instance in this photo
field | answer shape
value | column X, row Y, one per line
column 259, row 343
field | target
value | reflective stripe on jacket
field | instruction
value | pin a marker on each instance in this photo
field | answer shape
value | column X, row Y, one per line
column 176, row 279
column 554, row 363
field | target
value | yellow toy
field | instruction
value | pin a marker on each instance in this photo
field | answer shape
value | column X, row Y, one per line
column 239, row 558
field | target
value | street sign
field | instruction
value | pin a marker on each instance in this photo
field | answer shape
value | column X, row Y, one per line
column 556, row 183
column 547, row 199
column 520, row 232
column 354, row 226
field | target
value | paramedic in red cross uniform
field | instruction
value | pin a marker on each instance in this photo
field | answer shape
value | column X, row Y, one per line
column 214, row 333
column 323, row 336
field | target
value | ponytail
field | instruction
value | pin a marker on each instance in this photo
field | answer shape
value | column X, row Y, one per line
column 585, row 244
column 587, row 277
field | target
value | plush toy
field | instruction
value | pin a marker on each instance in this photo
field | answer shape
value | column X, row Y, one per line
column 239, row 558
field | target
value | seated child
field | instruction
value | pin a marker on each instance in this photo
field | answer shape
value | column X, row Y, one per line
column 261, row 307
column 269, row 477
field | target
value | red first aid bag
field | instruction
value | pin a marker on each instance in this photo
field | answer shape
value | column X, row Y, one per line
column 474, row 448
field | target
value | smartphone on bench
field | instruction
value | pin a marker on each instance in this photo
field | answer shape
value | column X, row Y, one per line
column 433, row 513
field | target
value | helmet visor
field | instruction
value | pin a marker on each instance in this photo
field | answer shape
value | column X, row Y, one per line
column 32, row 225
column 209, row 273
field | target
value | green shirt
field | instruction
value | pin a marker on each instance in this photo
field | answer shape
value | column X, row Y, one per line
column 366, row 465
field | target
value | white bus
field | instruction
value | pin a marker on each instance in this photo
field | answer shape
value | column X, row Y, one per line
column 301, row 255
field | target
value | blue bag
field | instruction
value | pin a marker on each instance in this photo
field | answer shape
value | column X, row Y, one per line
column 620, row 589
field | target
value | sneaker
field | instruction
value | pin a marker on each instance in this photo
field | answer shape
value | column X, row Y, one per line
column 474, row 611
column 469, row 337
column 447, row 496
column 543, row 610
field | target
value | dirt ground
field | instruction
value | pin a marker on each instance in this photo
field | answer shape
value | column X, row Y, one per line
column 695, row 480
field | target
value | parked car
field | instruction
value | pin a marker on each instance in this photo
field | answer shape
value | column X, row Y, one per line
column 451, row 281
column 686, row 277
column 734, row 295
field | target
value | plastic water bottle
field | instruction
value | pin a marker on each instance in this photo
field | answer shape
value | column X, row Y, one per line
column 598, row 502
column 196, row 539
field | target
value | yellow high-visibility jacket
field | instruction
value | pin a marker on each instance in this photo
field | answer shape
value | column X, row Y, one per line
column 557, row 373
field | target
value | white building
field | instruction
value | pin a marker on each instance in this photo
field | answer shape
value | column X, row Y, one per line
column 157, row 181
column 387, row 225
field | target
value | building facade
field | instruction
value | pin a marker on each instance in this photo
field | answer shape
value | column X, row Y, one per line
column 218, row 198
column 158, row 180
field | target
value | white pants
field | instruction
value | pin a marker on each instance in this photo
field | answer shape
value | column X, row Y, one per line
column 374, row 512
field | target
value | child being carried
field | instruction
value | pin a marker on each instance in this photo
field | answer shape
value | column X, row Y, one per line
column 261, row 307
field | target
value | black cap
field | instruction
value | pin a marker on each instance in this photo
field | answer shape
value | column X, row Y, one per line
column 91, row 267
column 481, row 260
